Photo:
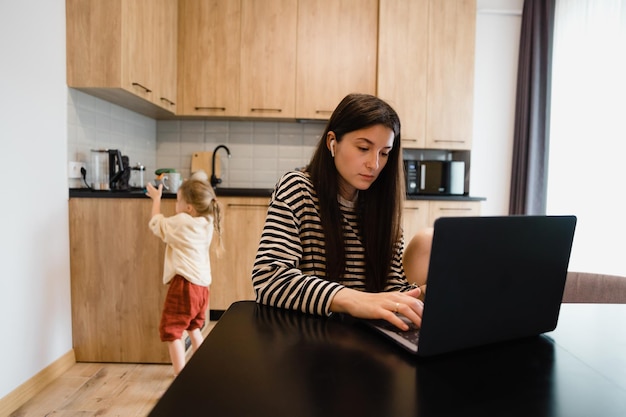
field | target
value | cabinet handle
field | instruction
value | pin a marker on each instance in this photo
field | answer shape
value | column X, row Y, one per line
column 448, row 141
column 247, row 205
column 409, row 140
column 323, row 111
column 211, row 108
column 146, row 89
column 412, row 208
column 455, row 209
column 171, row 103
column 260, row 109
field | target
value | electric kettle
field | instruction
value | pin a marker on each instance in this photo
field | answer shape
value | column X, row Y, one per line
column 108, row 169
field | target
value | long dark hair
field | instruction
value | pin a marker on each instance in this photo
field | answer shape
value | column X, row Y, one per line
column 379, row 207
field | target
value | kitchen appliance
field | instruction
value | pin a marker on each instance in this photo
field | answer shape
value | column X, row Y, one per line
column 109, row 170
column 434, row 177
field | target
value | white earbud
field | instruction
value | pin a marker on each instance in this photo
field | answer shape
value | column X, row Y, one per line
column 332, row 148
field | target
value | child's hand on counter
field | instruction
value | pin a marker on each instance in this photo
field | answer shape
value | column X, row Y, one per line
column 154, row 193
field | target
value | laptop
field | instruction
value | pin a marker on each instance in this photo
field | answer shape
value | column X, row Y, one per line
column 490, row 279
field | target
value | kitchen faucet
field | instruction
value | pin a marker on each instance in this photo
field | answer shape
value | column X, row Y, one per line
column 214, row 180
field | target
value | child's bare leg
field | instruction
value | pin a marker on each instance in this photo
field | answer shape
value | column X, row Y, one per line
column 196, row 338
column 177, row 355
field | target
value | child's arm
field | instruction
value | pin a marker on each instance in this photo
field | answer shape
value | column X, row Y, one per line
column 155, row 195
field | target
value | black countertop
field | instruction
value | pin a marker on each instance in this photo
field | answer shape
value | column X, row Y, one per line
column 239, row 192
column 221, row 192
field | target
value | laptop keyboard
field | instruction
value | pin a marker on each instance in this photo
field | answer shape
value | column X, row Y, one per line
column 412, row 335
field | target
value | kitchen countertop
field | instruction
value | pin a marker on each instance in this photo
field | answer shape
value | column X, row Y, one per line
column 220, row 192
column 239, row 192
column 445, row 197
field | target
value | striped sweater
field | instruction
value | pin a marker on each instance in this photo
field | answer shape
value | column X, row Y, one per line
column 290, row 266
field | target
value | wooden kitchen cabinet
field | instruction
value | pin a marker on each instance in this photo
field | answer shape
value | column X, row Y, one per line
column 414, row 218
column 336, row 53
column 237, row 58
column 426, row 69
column 116, row 266
column 243, row 221
column 440, row 208
column 268, row 58
column 274, row 59
column 402, row 63
column 419, row 214
column 166, row 53
column 123, row 51
column 117, row 289
column 209, row 57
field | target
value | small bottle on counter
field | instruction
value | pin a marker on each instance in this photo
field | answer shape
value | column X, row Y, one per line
column 137, row 174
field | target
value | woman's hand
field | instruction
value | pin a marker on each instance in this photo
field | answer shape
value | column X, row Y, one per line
column 382, row 305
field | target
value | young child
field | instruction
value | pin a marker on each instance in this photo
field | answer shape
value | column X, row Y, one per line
column 187, row 267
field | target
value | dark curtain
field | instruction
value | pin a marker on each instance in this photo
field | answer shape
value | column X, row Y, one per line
column 532, row 109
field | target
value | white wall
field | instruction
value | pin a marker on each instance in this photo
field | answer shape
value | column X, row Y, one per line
column 35, row 315
column 498, row 25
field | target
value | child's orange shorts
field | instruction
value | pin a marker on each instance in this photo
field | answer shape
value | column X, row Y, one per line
column 184, row 308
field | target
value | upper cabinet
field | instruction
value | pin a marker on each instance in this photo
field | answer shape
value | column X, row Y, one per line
column 208, row 57
column 124, row 51
column 402, row 63
column 281, row 59
column 268, row 58
column 275, row 58
column 166, row 52
column 426, row 69
column 336, row 53
column 237, row 58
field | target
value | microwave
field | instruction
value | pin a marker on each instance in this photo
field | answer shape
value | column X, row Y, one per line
column 434, row 177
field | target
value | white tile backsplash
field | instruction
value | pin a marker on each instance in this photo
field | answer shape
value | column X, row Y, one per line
column 96, row 124
column 261, row 151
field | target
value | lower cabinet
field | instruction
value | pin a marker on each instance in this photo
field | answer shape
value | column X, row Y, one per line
column 242, row 225
column 116, row 266
column 419, row 214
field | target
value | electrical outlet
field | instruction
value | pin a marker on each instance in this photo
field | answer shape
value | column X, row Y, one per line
column 73, row 170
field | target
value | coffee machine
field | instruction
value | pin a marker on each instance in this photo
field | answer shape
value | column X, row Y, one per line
column 110, row 170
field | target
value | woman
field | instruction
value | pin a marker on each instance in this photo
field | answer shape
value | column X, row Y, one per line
column 332, row 240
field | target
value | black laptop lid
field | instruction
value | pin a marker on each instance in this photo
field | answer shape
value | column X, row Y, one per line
column 492, row 279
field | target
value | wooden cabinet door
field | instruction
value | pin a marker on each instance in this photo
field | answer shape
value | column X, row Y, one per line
column 452, row 209
column 209, row 57
column 116, row 266
column 268, row 58
column 243, row 221
column 426, row 70
column 336, row 53
column 138, row 46
column 414, row 218
column 402, row 63
column 165, row 45
column 450, row 74
column 114, row 52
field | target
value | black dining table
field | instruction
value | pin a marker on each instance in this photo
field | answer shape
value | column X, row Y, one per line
column 268, row 362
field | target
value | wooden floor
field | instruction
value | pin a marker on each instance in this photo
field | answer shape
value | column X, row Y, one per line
column 102, row 389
